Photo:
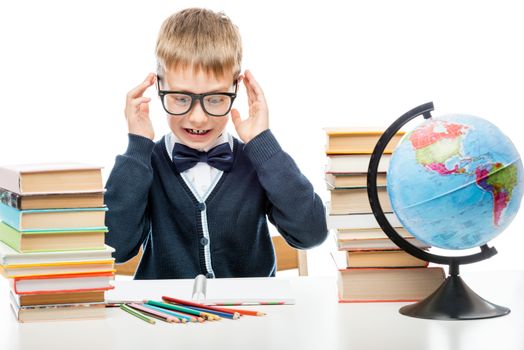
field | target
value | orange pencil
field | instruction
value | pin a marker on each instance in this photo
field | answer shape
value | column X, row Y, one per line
column 208, row 307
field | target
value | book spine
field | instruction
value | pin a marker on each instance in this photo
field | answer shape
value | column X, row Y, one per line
column 10, row 180
column 11, row 199
column 10, row 236
column 77, row 290
column 10, row 216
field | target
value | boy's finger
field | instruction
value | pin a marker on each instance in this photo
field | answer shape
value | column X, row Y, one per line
column 140, row 89
column 138, row 101
column 235, row 117
column 253, row 89
column 257, row 90
column 251, row 96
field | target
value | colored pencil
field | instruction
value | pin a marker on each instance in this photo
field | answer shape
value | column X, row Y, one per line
column 154, row 313
column 234, row 316
column 192, row 318
column 203, row 316
column 174, row 307
column 211, row 317
column 209, row 307
column 137, row 314
column 249, row 303
column 183, row 317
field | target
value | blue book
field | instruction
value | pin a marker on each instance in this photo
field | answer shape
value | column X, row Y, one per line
column 53, row 219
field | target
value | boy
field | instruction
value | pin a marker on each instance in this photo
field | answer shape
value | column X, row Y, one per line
column 197, row 199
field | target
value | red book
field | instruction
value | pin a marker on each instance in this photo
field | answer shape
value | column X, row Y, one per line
column 62, row 283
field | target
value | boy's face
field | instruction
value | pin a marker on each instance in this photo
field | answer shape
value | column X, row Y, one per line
column 196, row 129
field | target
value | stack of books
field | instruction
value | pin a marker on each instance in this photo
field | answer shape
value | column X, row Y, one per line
column 52, row 232
column 371, row 267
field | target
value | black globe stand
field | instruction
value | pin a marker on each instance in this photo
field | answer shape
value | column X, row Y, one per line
column 453, row 300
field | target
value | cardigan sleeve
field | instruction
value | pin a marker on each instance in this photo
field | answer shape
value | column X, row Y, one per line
column 294, row 208
column 126, row 197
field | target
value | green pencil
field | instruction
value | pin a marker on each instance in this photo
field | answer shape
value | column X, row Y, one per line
column 174, row 307
column 137, row 314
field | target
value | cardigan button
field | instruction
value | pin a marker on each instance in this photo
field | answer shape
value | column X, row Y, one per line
column 204, row 241
column 209, row 275
column 201, row 206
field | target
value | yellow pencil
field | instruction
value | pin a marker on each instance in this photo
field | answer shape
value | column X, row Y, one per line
column 211, row 317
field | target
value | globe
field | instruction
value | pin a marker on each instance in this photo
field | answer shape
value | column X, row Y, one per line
column 455, row 182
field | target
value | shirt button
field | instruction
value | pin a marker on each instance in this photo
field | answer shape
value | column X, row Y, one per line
column 201, row 206
column 209, row 275
column 204, row 241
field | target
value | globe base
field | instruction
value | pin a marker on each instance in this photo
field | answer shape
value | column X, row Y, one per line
column 454, row 300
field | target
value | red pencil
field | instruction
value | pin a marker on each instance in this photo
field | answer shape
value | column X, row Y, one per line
column 208, row 307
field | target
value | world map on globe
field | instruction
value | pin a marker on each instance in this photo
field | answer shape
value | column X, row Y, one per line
column 455, row 182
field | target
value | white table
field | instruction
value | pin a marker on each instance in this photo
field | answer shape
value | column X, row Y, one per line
column 317, row 321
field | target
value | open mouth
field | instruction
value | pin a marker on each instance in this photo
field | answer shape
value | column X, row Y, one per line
column 197, row 131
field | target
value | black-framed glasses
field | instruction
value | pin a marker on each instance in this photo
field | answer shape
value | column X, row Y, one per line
column 216, row 104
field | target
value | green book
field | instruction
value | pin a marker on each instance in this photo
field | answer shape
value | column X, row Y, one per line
column 52, row 240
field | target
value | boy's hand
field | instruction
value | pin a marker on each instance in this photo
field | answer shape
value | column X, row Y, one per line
column 137, row 109
column 258, row 119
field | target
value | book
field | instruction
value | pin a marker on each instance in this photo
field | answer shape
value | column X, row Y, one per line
column 70, row 268
column 349, row 234
column 376, row 244
column 52, row 200
column 354, row 163
column 35, row 241
column 81, row 282
column 9, row 256
column 58, row 312
column 388, row 284
column 97, row 296
column 382, row 258
column 356, row 221
column 44, row 267
column 351, row 180
column 355, row 201
column 51, row 178
column 357, row 140
column 53, row 219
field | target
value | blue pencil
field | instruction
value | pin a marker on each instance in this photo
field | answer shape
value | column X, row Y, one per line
column 218, row 313
column 176, row 314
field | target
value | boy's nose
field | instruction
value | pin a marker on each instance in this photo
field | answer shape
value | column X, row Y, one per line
column 197, row 116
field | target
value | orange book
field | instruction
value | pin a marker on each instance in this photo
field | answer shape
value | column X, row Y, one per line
column 62, row 283
column 62, row 268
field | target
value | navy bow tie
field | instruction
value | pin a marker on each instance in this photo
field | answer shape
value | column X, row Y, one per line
column 219, row 157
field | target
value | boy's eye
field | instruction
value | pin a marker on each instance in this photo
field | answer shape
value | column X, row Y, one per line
column 180, row 99
column 215, row 99
column 183, row 99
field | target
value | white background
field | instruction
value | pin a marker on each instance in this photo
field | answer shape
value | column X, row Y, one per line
column 65, row 67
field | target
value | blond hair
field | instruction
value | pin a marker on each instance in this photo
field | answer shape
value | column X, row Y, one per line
column 200, row 39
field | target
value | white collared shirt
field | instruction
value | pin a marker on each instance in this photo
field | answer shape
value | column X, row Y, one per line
column 202, row 174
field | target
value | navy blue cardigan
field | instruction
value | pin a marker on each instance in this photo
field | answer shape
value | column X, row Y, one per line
column 225, row 235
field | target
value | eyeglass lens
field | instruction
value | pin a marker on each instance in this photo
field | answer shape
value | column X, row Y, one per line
column 215, row 104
